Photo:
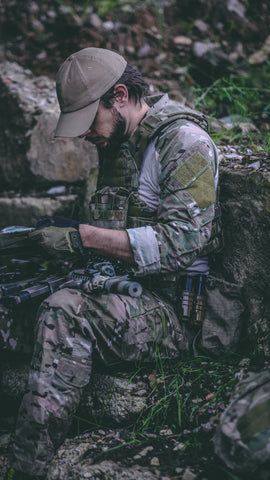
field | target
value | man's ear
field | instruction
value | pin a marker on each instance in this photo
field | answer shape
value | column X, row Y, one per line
column 121, row 94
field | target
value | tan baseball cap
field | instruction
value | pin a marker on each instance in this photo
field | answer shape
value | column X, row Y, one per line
column 81, row 80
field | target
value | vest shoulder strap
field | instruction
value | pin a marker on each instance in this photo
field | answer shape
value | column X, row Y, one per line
column 152, row 124
column 156, row 122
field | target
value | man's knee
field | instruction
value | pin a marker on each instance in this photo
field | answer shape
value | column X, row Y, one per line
column 59, row 313
column 62, row 329
column 69, row 300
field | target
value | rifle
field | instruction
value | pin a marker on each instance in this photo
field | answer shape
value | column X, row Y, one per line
column 98, row 275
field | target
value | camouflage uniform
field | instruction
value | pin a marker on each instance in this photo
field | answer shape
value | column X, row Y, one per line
column 242, row 438
column 73, row 328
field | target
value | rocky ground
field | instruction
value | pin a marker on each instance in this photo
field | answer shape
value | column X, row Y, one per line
column 176, row 45
column 172, row 437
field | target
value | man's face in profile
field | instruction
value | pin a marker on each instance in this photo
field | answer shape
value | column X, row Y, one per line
column 107, row 131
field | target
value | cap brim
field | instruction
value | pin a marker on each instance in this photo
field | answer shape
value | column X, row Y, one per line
column 74, row 124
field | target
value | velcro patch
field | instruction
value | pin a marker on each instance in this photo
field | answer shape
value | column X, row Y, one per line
column 196, row 177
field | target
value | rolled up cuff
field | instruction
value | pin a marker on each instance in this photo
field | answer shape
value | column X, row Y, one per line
column 145, row 249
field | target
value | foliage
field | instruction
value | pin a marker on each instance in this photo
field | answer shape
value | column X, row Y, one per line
column 180, row 393
column 104, row 7
column 238, row 99
column 110, row 7
column 235, row 95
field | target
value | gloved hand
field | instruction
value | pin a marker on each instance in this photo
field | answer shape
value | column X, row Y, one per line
column 59, row 236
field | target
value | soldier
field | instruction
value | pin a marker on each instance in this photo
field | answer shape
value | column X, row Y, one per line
column 154, row 209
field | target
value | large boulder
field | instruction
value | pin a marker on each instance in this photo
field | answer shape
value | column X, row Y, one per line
column 30, row 156
column 111, row 396
column 26, row 209
column 245, row 200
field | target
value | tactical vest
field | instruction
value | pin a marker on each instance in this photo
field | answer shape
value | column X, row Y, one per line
column 116, row 203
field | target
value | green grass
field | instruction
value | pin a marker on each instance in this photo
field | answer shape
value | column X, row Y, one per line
column 174, row 393
column 177, row 407
column 178, row 397
column 244, row 98
column 241, row 95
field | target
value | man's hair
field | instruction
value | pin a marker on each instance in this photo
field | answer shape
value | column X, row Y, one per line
column 135, row 84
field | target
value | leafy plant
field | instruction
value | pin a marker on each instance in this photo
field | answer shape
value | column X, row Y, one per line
column 232, row 96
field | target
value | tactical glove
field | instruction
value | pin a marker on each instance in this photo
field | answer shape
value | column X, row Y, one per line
column 59, row 236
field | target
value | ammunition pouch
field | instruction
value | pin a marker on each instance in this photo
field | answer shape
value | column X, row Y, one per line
column 222, row 326
column 108, row 208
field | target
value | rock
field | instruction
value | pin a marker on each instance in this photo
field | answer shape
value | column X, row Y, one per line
column 29, row 153
column 201, row 25
column 255, row 165
column 245, row 200
column 109, row 25
column 181, row 40
column 58, row 190
column 144, row 50
column 261, row 55
column 217, row 125
column 115, row 397
column 14, row 379
column 95, row 20
column 201, row 49
column 180, row 446
column 236, row 7
column 189, row 475
column 27, row 209
column 144, row 452
column 166, row 432
column 74, row 461
column 61, row 159
column 110, row 396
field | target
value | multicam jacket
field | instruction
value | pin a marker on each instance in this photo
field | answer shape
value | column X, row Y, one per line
column 161, row 188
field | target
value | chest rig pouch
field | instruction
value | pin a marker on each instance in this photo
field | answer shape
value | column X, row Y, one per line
column 116, row 203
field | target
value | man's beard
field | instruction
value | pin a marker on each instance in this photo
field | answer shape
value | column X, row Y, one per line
column 117, row 136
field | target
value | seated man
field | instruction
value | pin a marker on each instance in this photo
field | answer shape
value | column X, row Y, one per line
column 154, row 210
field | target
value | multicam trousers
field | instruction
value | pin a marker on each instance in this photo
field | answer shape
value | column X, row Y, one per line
column 73, row 330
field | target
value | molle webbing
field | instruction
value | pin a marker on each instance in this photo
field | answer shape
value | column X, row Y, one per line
column 120, row 171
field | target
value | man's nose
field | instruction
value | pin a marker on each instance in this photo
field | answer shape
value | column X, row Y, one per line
column 85, row 133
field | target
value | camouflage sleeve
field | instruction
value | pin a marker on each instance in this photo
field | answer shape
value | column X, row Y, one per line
column 186, row 208
column 187, row 198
